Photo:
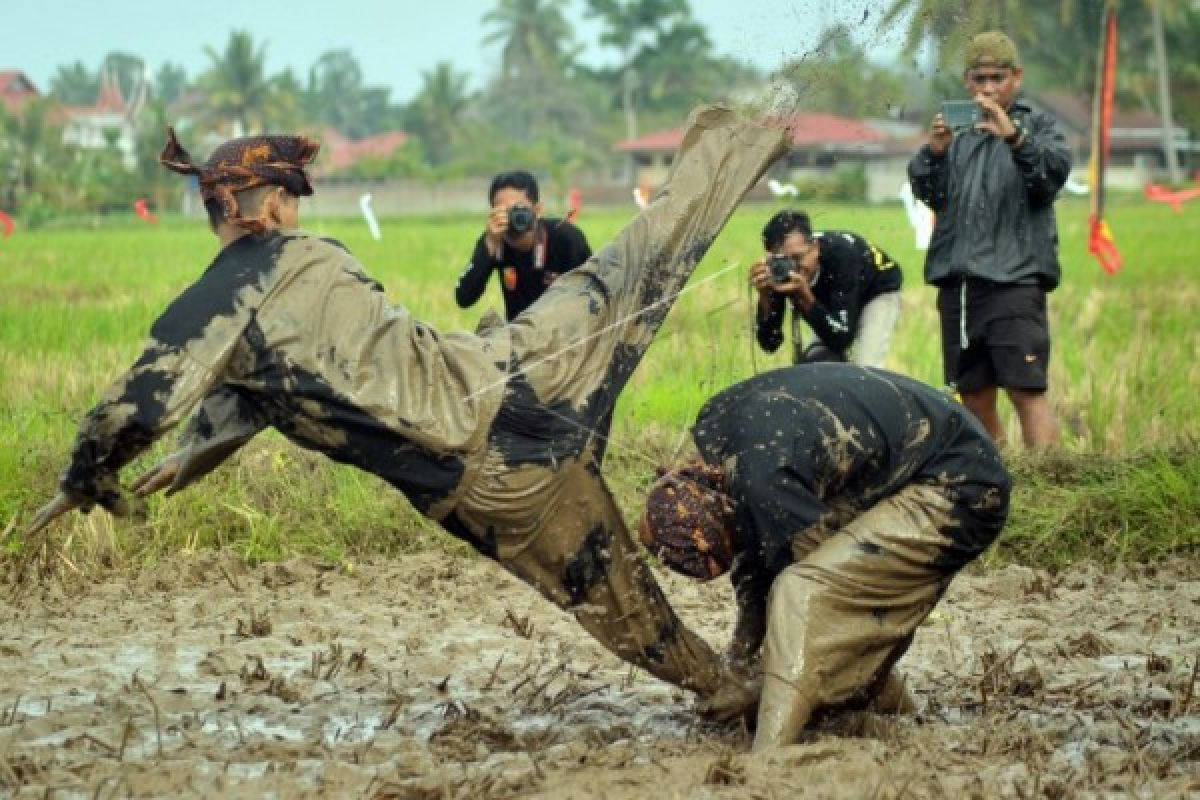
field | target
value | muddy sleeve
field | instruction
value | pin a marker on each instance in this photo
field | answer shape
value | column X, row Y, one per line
column 188, row 349
column 930, row 178
column 751, row 586
column 473, row 281
column 1043, row 159
column 225, row 421
column 768, row 323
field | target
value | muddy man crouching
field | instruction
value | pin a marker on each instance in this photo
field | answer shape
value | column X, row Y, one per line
column 499, row 436
column 844, row 499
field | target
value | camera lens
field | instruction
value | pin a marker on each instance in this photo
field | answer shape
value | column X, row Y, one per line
column 520, row 219
column 781, row 268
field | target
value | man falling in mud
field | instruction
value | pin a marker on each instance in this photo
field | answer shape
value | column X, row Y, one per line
column 499, row 437
column 844, row 499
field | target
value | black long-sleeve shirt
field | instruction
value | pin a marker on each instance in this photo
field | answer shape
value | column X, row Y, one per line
column 851, row 273
column 524, row 275
column 816, row 444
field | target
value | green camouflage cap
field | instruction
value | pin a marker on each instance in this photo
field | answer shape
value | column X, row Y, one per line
column 991, row 49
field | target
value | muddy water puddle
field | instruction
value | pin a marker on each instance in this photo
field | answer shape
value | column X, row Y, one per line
column 440, row 677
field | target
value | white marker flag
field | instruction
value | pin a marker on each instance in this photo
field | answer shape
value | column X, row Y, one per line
column 919, row 216
column 364, row 203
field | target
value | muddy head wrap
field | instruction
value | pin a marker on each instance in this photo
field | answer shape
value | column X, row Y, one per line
column 246, row 163
column 991, row 49
column 689, row 520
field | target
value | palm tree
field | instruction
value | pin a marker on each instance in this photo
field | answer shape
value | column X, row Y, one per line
column 435, row 112
column 74, row 84
column 948, row 24
column 237, row 85
column 534, row 37
column 32, row 154
column 634, row 27
column 335, row 86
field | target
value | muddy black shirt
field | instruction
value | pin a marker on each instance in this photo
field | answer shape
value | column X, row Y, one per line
column 851, row 273
column 524, row 275
column 287, row 330
column 797, row 443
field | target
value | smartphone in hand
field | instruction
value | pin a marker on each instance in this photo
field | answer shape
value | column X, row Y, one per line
column 961, row 113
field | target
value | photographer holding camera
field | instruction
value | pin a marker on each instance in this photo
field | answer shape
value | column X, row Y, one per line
column 528, row 251
column 844, row 287
column 994, row 251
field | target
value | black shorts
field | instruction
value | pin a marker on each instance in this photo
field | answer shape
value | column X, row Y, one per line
column 1007, row 333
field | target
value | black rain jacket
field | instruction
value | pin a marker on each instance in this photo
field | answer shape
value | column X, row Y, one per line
column 995, row 204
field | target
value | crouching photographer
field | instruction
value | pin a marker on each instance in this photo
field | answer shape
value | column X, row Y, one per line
column 846, row 289
column 528, row 250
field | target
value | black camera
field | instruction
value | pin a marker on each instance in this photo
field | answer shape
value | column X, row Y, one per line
column 781, row 268
column 520, row 218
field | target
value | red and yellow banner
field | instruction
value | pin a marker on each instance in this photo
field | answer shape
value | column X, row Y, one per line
column 1100, row 239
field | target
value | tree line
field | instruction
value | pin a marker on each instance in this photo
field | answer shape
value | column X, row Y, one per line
column 547, row 107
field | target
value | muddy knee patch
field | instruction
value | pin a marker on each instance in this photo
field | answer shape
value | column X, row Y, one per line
column 589, row 566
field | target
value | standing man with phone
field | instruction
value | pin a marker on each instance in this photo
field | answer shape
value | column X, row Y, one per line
column 994, row 252
column 528, row 250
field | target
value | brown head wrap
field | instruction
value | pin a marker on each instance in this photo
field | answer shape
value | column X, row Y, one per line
column 246, row 163
column 689, row 521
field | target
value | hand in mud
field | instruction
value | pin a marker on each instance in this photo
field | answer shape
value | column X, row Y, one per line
column 736, row 696
column 60, row 505
column 160, row 477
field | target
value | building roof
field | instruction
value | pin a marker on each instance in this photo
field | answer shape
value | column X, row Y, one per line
column 16, row 89
column 809, row 130
column 1131, row 128
column 340, row 152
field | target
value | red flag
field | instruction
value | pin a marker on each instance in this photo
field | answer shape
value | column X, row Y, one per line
column 7, row 224
column 1100, row 239
column 142, row 210
column 575, row 203
column 1161, row 194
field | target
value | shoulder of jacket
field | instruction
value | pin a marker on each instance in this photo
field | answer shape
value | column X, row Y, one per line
column 314, row 241
column 1038, row 117
column 568, row 230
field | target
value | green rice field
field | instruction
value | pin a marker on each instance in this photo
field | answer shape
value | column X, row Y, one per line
column 75, row 304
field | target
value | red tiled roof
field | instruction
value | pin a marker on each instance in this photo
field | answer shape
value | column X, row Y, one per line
column 342, row 152
column 16, row 89
column 807, row 130
column 109, row 98
column 1076, row 112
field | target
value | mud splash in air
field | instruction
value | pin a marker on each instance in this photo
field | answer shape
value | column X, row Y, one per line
column 443, row 677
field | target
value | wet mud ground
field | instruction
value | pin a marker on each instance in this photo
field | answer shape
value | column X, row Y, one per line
column 442, row 677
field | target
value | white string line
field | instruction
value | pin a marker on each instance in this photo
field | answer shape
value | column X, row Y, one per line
column 608, row 440
column 656, row 304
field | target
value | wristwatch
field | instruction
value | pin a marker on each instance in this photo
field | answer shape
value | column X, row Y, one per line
column 1015, row 138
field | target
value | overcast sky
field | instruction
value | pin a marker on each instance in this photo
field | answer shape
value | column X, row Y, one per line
column 394, row 40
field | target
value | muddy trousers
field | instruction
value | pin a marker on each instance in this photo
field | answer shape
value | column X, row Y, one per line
column 537, row 501
column 845, row 611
